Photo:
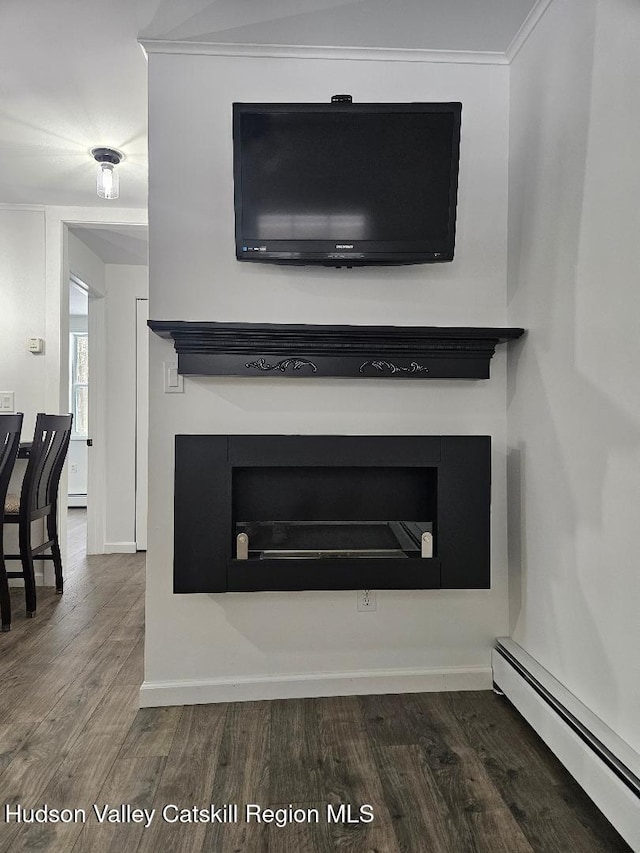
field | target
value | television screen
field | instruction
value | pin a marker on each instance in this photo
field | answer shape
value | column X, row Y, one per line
column 345, row 184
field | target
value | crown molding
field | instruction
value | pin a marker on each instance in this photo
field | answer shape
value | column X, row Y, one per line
column 286, row 51
column 530, row 23
column 17, row 206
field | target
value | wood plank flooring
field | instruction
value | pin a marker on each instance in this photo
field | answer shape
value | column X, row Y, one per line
column 444, row 773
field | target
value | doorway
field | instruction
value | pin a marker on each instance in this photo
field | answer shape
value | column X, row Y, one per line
column 110, row 262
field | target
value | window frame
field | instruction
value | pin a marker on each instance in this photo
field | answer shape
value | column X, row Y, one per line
column 74, row 385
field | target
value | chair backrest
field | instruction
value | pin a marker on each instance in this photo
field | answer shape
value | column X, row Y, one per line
column 10, row 427
column 46, row 459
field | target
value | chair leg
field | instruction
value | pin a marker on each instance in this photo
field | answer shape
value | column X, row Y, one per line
column 5, row 598
column 27, row 568
column 52, row 533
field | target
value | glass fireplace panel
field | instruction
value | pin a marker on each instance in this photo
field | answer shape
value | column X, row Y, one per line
column 318, row 539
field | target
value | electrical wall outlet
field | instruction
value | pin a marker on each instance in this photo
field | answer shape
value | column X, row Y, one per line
column 74, row 468
column 366, row 600
column 7, row 402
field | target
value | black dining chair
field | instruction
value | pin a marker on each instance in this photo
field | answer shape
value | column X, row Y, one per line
column 10, row 428
column 39, row 499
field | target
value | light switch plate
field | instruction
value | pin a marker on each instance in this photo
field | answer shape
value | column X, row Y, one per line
column 7, row 402
column 173, row 381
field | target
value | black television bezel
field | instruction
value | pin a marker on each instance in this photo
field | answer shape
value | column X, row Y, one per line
column 364, row 253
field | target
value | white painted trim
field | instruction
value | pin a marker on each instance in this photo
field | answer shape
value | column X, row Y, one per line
column 96, row 454
column 77, row 501
column 142, row 424
column 56, row 347
column 530, row 23
column 292, row 51
column 616, row 801
column 302, row 685
column 6, row 205
column 97, row 215
column 119, row 548
column 594, row 724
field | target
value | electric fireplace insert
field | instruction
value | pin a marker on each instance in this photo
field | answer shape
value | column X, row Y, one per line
column 331, row 512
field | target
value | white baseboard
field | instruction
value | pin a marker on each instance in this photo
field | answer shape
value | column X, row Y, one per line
column 303, row 685
column 604, row 765
column 119, row 548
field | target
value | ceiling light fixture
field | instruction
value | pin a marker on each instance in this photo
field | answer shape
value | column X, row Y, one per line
column 108, row 183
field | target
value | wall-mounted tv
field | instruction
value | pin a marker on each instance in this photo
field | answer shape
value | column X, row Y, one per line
column 345, row 184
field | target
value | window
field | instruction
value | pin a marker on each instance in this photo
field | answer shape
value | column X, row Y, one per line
column 79, row 384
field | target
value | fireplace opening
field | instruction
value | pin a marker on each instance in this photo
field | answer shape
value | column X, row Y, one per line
column 266, row 540
column 326, row 512
column 331, row 512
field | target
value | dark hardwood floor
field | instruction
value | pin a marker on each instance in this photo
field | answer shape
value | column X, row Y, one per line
column 444, row 773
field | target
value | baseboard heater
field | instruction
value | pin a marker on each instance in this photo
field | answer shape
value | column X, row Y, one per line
column 603, row 764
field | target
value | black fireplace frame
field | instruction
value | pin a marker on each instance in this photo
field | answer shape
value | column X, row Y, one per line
column 203, row 551
column 203, row 557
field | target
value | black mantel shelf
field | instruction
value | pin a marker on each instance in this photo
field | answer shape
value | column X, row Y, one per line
column 396, row 352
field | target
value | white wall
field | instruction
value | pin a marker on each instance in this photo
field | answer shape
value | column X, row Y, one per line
column 78, row 461
column 22, row 309
column 194, row 275
column 124, row 284
column 86, row 265
column 574, row 407
column 22, row 315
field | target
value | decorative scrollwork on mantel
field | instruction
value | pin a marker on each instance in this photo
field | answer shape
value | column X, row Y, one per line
column 381, row 366
column 282, row 366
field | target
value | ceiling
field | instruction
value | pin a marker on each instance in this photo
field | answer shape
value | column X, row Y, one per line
column 72, row 75
column 446, row 25
column 115, row 244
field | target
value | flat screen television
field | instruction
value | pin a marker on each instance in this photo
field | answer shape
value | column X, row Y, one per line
column 345, row 184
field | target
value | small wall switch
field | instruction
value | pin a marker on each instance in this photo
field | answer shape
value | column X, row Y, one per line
column 367, row 600
column 35, row 345
column 7, row 402
column 173, row 381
